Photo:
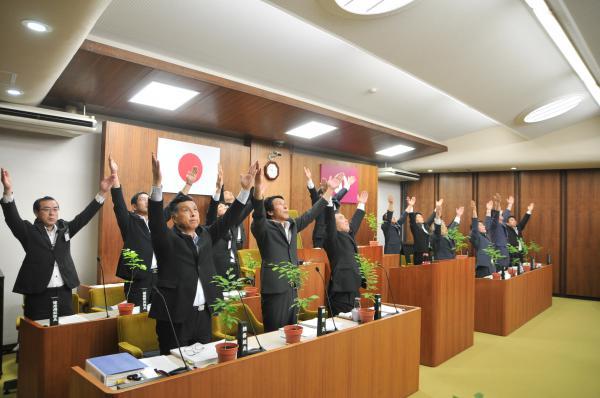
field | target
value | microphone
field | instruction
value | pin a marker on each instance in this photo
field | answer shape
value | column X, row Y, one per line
column 103, row 284
column 387, row 277
column 328, row 302
column 185, row 366
column 260, row 347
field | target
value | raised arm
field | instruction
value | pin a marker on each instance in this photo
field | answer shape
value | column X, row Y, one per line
column 359, row 213
column 521, row 225
column 312, row 190
column 307, row 217
column 474, row 225
column 488, row 214
column 437, row 232
column 346, row 184
column 211, row 213
column 509, row 204
column 156, row 216
column 17, row 226
column 191, row 177
column 92, row 208
column 259, row 218
column 119, row 206
column 385, row 226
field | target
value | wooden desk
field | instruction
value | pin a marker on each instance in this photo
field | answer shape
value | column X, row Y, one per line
column 46, row 354
column 502, row 306
column 445, row 291
column 377, row 359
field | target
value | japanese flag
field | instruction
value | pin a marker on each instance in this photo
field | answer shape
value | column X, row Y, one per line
column 177, row 158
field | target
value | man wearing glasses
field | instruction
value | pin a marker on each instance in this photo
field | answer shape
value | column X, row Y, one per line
column 48, row 269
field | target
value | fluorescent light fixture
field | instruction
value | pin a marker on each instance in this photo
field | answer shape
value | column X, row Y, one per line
column 553, row 109
column 430, row 171
column 36, row 26
column 560, row 38
column 311, row 130
column 371, row 7
column 14, row 92
column 513, row 168
column 394, row 150
column 163, row 96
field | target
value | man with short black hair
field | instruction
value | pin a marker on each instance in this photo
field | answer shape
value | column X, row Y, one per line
column 392, row 228
column 480, row 241
column 514, row 229
column 48, row 269
column 420, row 230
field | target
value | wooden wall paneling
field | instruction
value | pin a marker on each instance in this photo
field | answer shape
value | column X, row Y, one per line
column 543, row 189
column 490, row 183
column 131, row 146
column 456, row 190
column 424, row 191
column 583, row 233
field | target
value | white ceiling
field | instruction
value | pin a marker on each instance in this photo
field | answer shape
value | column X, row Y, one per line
column 259, row 44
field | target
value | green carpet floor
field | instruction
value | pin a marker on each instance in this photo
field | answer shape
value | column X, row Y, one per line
column 556, row 354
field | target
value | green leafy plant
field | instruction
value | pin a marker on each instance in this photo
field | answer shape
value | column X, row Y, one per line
column 132, row 259
column 368, row 274
column 251, row 265
column 533, row 247
column 494, row 255
column 373, row 223
column 514, row 250
column 295, row 277
column 226, row 308
column 460, row 240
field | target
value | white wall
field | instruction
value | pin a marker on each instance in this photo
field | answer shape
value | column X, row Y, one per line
column 66, row 169
column 384, row 189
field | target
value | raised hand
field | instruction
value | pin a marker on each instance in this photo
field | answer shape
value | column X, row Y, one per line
column 489, row 205
column 438, row 212
column 439, row 202
column 114, row 168
column 248, row 180
column 473, row 205
column 106, row 183
column 530, row 207
column 411, row 201
column 259, row 184
column 362, row 197
column 190, row 177
column 307, row 173
column 351, row 180
column 6, row 182
column 510, row 201
column 391, row 199
column 156, row 174
column 219, row 183
column 340, row 176
column 460, row 211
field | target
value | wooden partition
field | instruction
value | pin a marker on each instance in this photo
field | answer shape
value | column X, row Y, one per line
column 131, row 146
column 565, row 221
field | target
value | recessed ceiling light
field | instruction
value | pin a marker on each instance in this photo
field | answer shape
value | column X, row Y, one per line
column 553, row 109
column 311, row 130
column 394, row 150
column 14, row 92
column 371, row 7
column 36, row 26
column 163, row 96
column 430, row 171
column 513, row 168
column 547, row 19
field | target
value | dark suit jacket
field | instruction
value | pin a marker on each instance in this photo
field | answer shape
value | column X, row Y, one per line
column 421, row 238
column 480, row 242
column 180, row 265
column 319, row 232
column 393, row 233
column 444, row 248
column 274, row 246
column 499, row 234
column 221, row 251
column 513, row 235
column 40, row 257
column 341, row 248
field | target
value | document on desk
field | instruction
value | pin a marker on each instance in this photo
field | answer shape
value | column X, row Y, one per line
column 199, row 355
column 64, row 320
column 166, row 363
column 312, row 323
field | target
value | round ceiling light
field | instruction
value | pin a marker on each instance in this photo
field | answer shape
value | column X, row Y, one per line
column 371, row 7
column 553, row 109
column 36, row 26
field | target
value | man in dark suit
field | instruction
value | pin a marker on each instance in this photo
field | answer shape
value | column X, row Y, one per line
column 239, row 231
column 480, row 242
column 420, row 230
column 48, row 269
column 444, row 248
column 341, row 248
column 318, row 234
column 392, row 228
column 225, row 249
column 514, row 229
column 499, row 231
column 185, row 264
column 136, row 236
column 275, row 234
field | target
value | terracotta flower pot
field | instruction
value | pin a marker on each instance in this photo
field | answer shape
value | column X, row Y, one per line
column 292, row 333
column 226, row 351
column 366, row 315
column 126, row 308
column 527, row 268
column 373, row 243
column 496, row 275
column 251, row 291
column 512, row 271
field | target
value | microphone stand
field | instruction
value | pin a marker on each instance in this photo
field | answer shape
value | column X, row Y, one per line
column 185, row 366
column 387, row 277
column 328, row 303
column 260, row 347
column 103, row 284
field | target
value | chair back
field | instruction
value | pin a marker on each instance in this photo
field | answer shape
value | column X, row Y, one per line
column 114, row 296
column 138, row 330
column 221, row 331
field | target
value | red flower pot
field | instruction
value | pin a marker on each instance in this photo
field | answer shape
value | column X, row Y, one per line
column 251, row 291
column 292, row 333
column 126, row 308
column 512, row 271
column 373, row 243
column 226, row 351
column 496, row 275
column 366, row 314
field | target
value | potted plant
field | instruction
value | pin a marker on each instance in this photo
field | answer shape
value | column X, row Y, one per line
column 535, row 248
column 495, row 255
column 296, row 277
column 226, row 308
column 516, row 261
column 251, row 265
column 373, row 226
column 134, row 262
column 460, row 240
column 369, row 277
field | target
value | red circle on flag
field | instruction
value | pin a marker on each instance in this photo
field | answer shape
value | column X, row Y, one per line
column 187, row 162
